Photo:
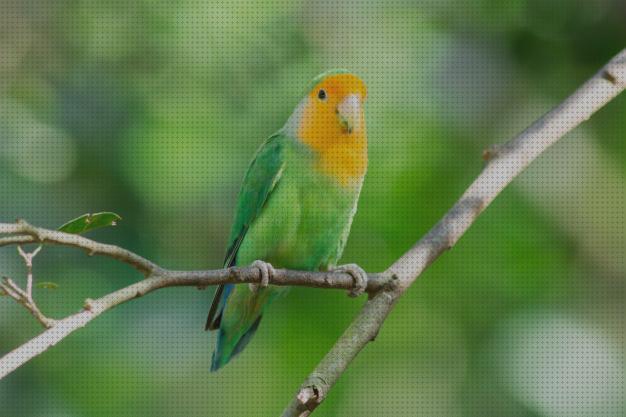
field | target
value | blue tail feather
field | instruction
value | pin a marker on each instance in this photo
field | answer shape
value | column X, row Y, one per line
column 220, row 356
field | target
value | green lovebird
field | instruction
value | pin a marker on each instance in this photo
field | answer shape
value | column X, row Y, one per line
column 296, row 205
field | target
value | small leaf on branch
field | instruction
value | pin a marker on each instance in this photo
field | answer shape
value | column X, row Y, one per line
column 48, row 285
column 88, row 222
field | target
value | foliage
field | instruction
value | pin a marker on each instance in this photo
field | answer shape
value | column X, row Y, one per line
column 88, row 222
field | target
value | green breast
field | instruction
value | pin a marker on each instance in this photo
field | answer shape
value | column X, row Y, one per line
column 306, row 220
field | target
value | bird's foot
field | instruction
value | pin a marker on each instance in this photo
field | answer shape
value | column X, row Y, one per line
column 266, row 270
column 359, row 276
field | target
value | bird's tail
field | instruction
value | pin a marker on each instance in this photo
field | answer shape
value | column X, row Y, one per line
column 227, row 348
column 238, row 320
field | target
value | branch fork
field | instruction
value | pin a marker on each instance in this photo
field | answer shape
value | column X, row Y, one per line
column 25, row 296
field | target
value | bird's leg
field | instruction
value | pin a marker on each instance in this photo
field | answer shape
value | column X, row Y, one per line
column 359, row 276
column 266, row 270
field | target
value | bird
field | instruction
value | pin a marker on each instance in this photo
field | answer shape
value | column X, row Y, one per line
column 295, row 206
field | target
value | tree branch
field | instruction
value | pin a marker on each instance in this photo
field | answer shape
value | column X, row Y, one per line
column 158, row 277
column 504, row 163
column 26, row 233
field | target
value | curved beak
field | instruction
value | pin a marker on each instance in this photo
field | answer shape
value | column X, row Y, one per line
column 349, row 113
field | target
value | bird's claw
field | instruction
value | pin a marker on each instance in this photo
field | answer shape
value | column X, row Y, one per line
column 266, row 270
column 359, row 276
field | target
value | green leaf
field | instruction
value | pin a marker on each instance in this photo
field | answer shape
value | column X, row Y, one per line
column 88, row 222
column 48, row 285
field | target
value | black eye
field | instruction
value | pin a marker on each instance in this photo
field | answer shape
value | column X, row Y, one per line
column 321, row 95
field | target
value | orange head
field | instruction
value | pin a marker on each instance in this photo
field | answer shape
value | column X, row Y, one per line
column 331, row 122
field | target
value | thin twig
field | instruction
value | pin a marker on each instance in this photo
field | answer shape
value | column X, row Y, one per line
column 27, row 233
column 28, row 261
column 25, row 297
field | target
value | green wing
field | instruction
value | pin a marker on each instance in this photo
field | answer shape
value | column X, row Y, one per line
column 263, row 174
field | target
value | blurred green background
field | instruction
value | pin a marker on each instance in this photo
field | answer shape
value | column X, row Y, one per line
column 152, row 109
